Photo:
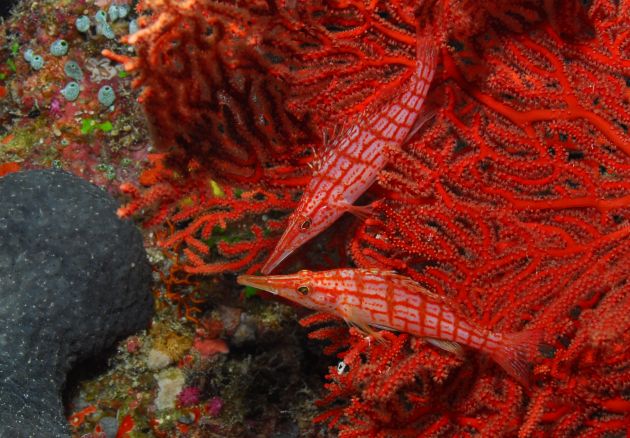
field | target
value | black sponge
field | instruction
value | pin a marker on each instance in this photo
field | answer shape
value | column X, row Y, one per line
column 74, row 278
column 5, row 7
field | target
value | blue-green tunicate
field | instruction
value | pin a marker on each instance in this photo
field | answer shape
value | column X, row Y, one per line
column 59, row 48
column 123, row 10
column 106, row 95
column 28, row 55
column 37, row 62
column 101, row 17
column 72, row 69
column 83, row 23
column 133, row 26
column 106, row 30
column 71, row 91
column 113, row 12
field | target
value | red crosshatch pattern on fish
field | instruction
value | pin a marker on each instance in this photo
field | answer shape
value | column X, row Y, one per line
column 391, row 301
column 354, row 160
column 368, row 298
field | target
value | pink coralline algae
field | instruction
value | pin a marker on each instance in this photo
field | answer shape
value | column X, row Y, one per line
column 189, row 396
column 209, row 347
column 214, row 406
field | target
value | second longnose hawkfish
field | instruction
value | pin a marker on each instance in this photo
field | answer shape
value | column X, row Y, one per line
column 371, row 298
column 354, row 160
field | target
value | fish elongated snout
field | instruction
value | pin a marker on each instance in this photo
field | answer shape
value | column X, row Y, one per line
column 275, row 284
column 292, row 238
column 257, row 281
column 268, row 267
column 274, row 260
column 251, row 280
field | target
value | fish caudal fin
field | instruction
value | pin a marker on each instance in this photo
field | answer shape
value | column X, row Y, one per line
column 516, row 353
column 426, row 50
column 426, row 53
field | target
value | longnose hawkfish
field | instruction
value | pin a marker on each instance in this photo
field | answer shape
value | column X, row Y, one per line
column 371, row 298
column 354, row 159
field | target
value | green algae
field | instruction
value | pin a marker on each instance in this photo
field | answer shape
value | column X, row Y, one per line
column 27, row 141
column 89, row 126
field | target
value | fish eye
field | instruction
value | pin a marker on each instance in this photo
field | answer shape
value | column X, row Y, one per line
column 304, row 290
column 306, row 224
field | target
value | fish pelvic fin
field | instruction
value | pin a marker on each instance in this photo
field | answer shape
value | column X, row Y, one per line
column 517, row 352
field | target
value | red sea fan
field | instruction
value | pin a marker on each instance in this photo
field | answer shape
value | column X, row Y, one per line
column 215, row 104
column 203, row 212
column 514, row 201
column 211, row 91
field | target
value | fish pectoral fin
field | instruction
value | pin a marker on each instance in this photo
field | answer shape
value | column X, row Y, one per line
column 363, row 212
column 450, row 346
column 354, row 319
column 366, row 331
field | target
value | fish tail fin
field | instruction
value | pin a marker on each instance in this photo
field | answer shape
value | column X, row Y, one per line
column 426, row 50
column 426, row 56
column 516, row 353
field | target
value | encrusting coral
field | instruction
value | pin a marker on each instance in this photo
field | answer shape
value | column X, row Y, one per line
column 514, row 201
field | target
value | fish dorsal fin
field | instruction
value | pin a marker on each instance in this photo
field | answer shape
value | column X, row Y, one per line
column 319, row 153
column 381, row 274
column 394, row 276
column 450, row 346
column 330, row 142
column 416, row 287
column 315, row 162
column 426, row 292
